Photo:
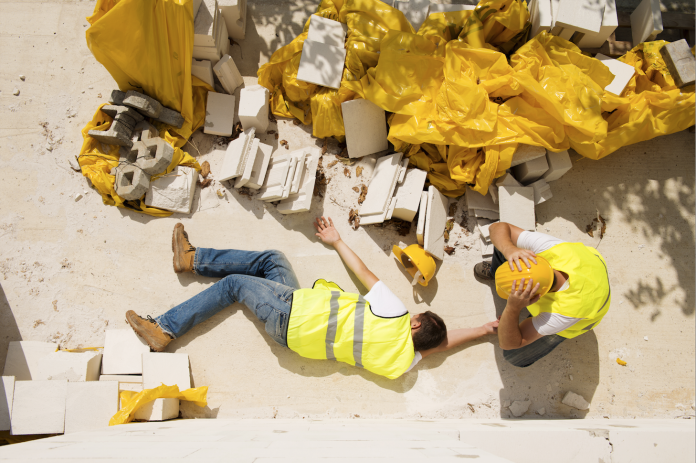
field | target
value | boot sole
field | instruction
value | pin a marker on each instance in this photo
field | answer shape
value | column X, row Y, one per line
column 175, row 246
column 156, row 349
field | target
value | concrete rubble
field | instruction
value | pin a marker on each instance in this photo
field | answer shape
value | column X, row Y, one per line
column 388, row 172
column 228, row 74
column 576, row 401
column 520, row 407
column 531, row 171
column 559, row 164
column 302, row 184
column 408, row 194
column 680, row 62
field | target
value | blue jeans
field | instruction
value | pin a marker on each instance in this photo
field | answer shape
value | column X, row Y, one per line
column 263, row 281
column 527, row 355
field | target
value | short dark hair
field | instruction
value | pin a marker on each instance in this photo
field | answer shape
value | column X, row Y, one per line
column 431, row 333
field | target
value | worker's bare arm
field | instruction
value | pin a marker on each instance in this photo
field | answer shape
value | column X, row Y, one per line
column 461, row 336
column 504, row 238
column 511, row 333
column 329, row 235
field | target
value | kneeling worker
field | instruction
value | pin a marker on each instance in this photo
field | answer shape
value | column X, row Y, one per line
column 565, row 287
column 374, row 332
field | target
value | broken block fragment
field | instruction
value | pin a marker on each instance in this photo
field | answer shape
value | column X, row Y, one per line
column 526, row 153
column 380, row 190
column 71, row 366
column 23, row 358
column 123, row 353
column 117, row 134
column 131, row 182
column 365, row 126
column 253, row 108
column 408, row 194
column 158, row 410
column 203, row 69
column 173, row 191
column 260, row 166
column 143, row 131
column 517, row 207
column 531, row 171
column 559, row 163
column 302, row 185
column 143, row 103
column 475, row 200
column 646, row 21
column 170, row 369
column 276, row 185
column 219, row 114
column 680, row 62
column 321, row 64
column 90, row 405
column 576, row 401
column 327, row 31
column 154, row 155
column 238, row 153
column 38, row 407
column 228, row 74
column 542, row 191
column 435, row 221
column 622, row 73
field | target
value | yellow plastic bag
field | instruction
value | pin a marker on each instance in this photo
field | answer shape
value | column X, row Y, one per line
column 132, row 401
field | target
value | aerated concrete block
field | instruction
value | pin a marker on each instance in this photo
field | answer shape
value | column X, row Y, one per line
column 70, row 366
column 580, row 16
column 6, row 396
column 436, row 219
column 321, row 64
column 173, row 191
column 203, row 69
column 327, row 31
column 237, row 155
column 530, row 171
column 170, row 117
column 253, row 108
column 493, row 191
column 123, row 353
column 126, row 382
column 144, row 104
column 144, row 131
column 646, row 21
column 260, row 167
column 131, row 182
column 475, row 200
column 302, row 185
column 415, row 11
column 365, row 125
column 248, row 164
column 542, row 191
column 450, row 8
column 680, row 62
column 559, row 163
column 484, row 230
column 507, row 180
column 219, row 114
column 154, row 155
column 90, row 405
column 526, row 153
column 234, row 13
column 517, row 207
column 38, row 407
column 158, row 410
column 420, row 227
column 380, row 190
column 542, row 18
column 276, row 185
column 205, row 24
column 408, row 194
column 117, row 97
column 23, row 358
column 484, row 214
column 170, row 369
column 228, row 74
column 610, row 21
column 622, row 73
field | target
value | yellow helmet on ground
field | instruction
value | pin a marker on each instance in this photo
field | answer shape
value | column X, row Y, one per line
column 541, row 273
column 415, row 260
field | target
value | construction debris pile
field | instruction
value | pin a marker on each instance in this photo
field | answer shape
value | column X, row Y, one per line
column 52, row 391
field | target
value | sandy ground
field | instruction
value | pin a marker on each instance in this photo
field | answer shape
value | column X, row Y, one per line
column 70, row 269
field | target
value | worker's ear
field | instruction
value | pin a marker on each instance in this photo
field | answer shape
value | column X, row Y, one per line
column 415, row 322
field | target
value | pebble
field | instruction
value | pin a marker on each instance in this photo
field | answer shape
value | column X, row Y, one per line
column 646, row 338
column 90, row 87
column 541, row 411
column 571, row 377
column 519, row 408
column 78, row 197
column 15, row 92
column 22, row 77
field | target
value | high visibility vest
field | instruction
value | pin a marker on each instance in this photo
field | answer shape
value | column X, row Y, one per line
column 327, row 323
column 588, row 297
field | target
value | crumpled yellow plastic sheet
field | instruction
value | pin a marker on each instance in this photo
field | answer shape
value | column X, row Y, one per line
column 146, row 46
column 460, row 107
column 132, row 401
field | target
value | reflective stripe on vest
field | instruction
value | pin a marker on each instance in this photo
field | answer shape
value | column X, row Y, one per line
column 332, row 325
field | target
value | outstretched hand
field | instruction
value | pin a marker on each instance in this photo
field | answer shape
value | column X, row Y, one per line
column 523, row 296
column 327, row 233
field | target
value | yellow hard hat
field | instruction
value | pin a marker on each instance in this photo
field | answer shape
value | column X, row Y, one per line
column 541, row 273
column 415, row 259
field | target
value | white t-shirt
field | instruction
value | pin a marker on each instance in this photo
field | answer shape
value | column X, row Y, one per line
column 546, row 323
column 385, row 304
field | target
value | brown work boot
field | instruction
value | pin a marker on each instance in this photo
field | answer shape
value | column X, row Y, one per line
column 483, row 270
column 184, row 252
column 149, row 330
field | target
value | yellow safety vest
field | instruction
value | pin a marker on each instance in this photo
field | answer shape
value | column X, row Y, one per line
column 327, row 323
column 588, row 297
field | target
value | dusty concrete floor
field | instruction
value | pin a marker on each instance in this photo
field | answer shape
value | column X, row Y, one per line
column 69, row 269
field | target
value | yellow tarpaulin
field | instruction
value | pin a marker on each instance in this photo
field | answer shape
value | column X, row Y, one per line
column 146, row 46
column 460, row 107
column 132, row 401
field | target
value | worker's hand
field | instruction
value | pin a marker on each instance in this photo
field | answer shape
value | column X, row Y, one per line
column 522, row 295
column 328, row 234
column 518, row 255
column 491, row 327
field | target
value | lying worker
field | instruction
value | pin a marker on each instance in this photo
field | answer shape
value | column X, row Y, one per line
column 374, row 332
column 569, row 300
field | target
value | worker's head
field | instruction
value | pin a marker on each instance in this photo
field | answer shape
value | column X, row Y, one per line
column 428, row 331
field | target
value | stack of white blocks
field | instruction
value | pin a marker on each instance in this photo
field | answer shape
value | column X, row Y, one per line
column 323, row 53
column 379, row 202
column 365, row 126
column 210, row 39
column 228, row 74
column 485, row 207
column 610, row 21
column 302, row 183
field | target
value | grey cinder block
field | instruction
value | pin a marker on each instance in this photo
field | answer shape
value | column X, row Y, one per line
column 131, row 182
column 143, row 103
column 116, row 112
column 117, row 97
column 143, row 131
column 118, row 134
column 680, row 62
column 154, row 155
column 170, row 117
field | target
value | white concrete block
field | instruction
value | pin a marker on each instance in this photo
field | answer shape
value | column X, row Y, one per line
column 610, row 21
column 208, row 53
column 580, row 16
column 449, row 8
column 204, row 24
column 436, row 219
column 38, row 407
column 542, row 18
column 302, row 186
column 173, row 191
column 238, row 152
column 228, row 74
column 327, row 31
column 276, row 184
column 380, row 190
column 622, row 73
column 517, row 207
column 321, row 64
column 475, row 200
column 408, row 194
column 158, row 410
column 170, row 369
column 526, row 153
column 260, row 166
column 123, row 353
column 646, row 21
column 484, row 230
column 203, row 69
column 249, row 162
column 234, row 12
column 542, row 191
column 576, row 401
column 6, row 396
column 365, row 125
column 219, row 114
column 23, row 357
column 559, row 163
column 530, row 171
column 420, row 227
column 253, row 108
column 493, row 191
column 126, row 382
column 484, row 214
column 90, row 405
column 487, row 250
column 415, row 11
column 507, row 180
column 70, row 366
